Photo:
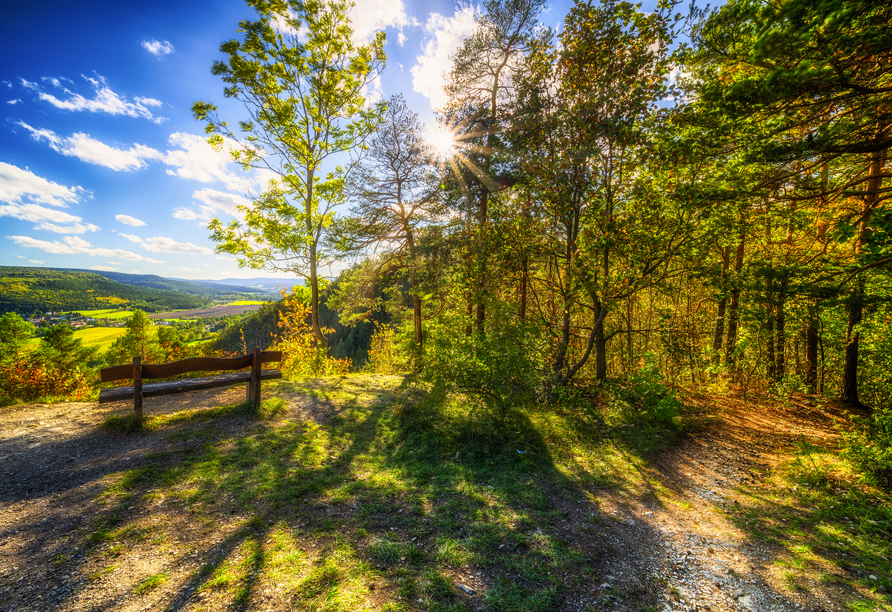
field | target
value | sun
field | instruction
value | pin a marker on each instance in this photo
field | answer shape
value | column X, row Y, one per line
column 441, row 140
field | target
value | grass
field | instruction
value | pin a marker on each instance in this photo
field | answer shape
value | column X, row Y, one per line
column 829, row 522
column 387, row 503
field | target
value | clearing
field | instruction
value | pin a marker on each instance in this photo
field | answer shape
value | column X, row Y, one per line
column 341, row 494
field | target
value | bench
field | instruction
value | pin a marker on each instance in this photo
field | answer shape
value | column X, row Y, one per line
column 139, row 372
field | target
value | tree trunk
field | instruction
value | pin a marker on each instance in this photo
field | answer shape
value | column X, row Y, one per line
column 524, row 280
column 600, row 343
column 780, row 332
column 734, row 307
column 321, row 341
column 853, row 336
column 811, row 354
column 723, row 303
column 769, row 339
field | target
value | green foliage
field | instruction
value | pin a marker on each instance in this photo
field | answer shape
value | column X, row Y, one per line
column 644, row 399
column 501, row 369
column 139, row 340
column 14, row 334
column 868, row 445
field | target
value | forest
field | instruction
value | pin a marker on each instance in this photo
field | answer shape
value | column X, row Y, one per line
column 618, row 337
column 704, row 192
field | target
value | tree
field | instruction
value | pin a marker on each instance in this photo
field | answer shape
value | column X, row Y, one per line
column 816, row 77
column 139, row 340
column 582, row 124
column 302, row 85
column 60, row 351
column 480, row 89
column 14, row 335
column 396, row 194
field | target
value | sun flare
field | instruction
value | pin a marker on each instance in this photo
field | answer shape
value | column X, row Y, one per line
column 441, row 140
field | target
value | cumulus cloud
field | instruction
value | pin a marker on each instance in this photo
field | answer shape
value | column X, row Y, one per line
column 163, row 244
column 212, row 203
column 17, row 186
column 104, row 268
column 74, row 228
column 157, row 48
column 128, row 220
column 444, row 36
column 104, row 101
column 371, row 16
column 197, row 160
column 73, row 244
column 14, row 102
column 92, row 151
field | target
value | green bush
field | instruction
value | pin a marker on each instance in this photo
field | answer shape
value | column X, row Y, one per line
column 868, row 445
column 645, row 400
column 501, row 369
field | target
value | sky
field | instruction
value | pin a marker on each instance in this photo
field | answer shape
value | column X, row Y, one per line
column 102, row 165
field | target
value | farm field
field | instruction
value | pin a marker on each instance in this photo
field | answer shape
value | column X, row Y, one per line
column 105, row 314
column 216, row 311
column 100, row 336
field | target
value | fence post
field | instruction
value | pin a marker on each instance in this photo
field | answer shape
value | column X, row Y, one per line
column 254, row 385
column 137, row 391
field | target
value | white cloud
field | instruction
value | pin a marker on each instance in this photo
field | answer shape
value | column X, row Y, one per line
column 73, row 244
column 197, row 160
column 445, row 36
column 104, row 268
column 186, row 214
column 371, row 16
column 163, row 244
column 105, row 101
column 212, row 202
column 184, row 269
column 92, row 151
column 17, row 186
column 37, row 213
column 37, row 261
column 157, row 48
column 14, row 102
column 75, row 228
column 128, row 220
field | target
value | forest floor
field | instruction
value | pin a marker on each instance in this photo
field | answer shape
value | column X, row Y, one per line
column 322, row 502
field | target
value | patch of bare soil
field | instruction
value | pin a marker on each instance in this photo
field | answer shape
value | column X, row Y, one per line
column 55, row 464
column 689, row 540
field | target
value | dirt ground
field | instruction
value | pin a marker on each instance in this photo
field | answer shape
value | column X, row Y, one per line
column 55, row 462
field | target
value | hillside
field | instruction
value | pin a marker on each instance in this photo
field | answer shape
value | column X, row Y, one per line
column 206, row 289
column 25, row 290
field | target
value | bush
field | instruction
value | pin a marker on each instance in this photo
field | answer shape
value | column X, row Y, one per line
column 300, row 357
column 646, row 400
column 501, row 369
column 869, row 446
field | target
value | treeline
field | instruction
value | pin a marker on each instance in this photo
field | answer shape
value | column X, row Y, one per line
column 30, row 290
column 613, row 197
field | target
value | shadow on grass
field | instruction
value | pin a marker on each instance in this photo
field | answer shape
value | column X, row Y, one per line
column 396, row 500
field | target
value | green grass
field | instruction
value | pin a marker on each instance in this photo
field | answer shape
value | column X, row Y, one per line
column 829, row 522
column 370, row 509
column 152, row 582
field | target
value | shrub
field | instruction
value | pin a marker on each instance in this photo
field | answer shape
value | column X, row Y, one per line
column 300, row 357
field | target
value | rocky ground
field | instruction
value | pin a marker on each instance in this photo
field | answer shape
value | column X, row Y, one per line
column 56, row 464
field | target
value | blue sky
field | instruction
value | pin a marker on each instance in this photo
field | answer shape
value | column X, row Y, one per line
column 102, row 165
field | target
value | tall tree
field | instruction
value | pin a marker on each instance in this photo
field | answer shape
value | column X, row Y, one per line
column 480, row 89
column 582, row 120
column 395, row 194
column 14, row 335
column 301, row 80
column 817, row 76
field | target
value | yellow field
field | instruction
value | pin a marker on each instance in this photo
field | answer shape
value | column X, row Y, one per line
column 244, row 303
column 105, row 314
column 100, row 336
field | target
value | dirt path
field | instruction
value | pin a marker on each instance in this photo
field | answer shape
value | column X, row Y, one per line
column 55, row 464
column 693, row 543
